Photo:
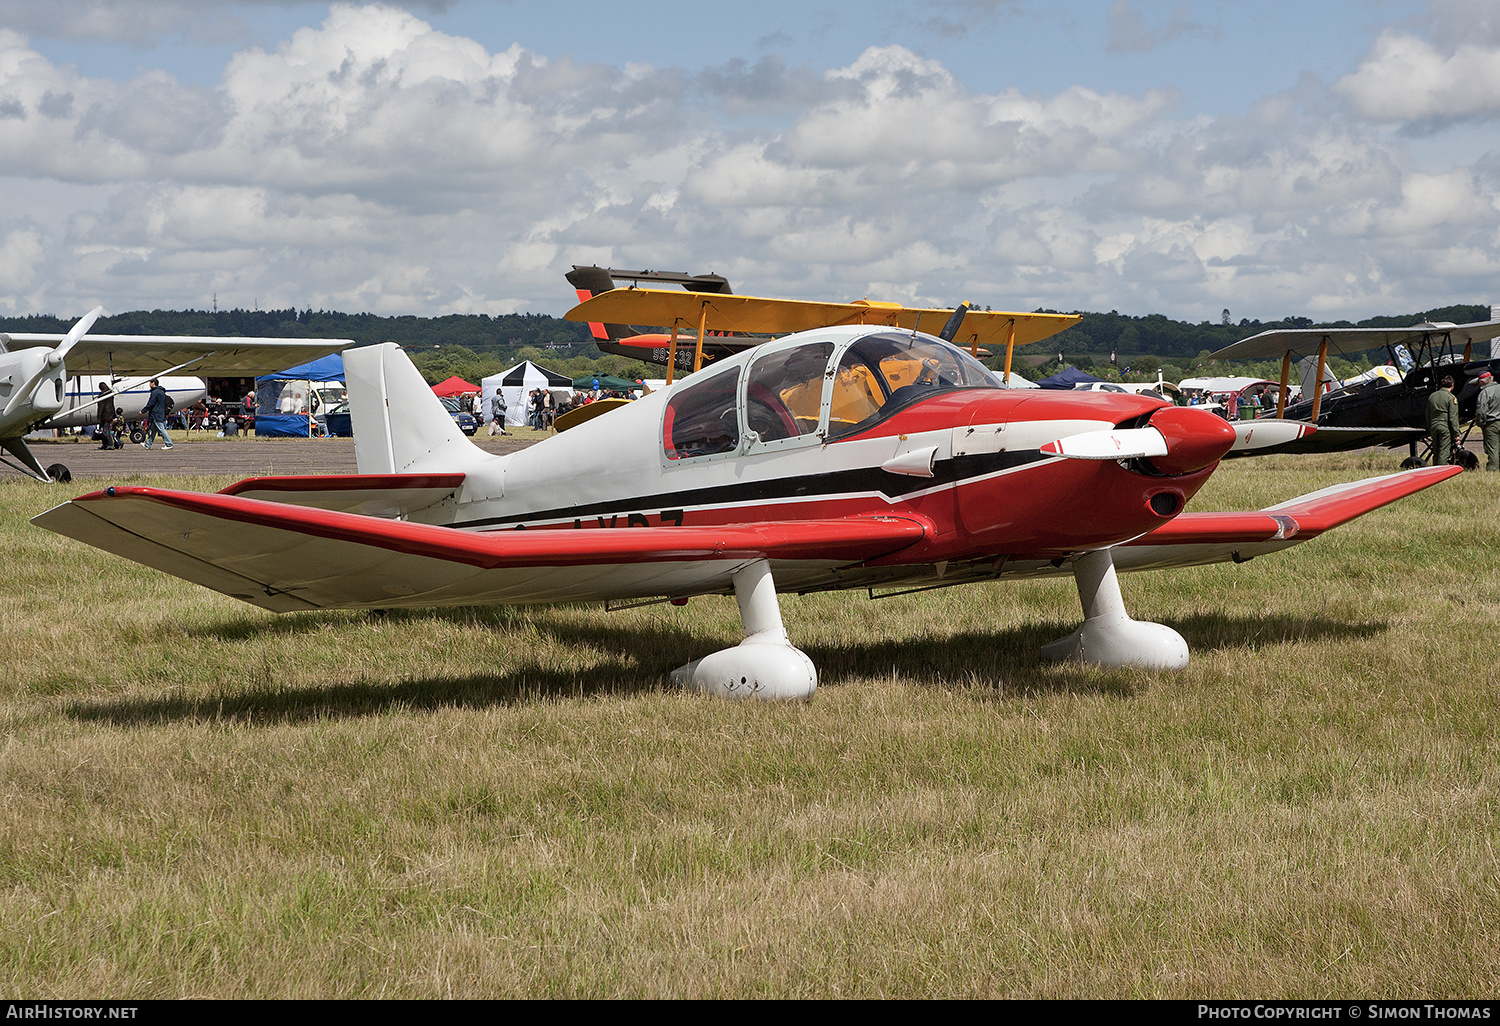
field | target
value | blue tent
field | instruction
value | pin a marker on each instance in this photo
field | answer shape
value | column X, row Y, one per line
column 292, row 425
column 1068, row 377
column 329, row 368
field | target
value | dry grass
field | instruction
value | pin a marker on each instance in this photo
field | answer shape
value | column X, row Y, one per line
column 201, row 799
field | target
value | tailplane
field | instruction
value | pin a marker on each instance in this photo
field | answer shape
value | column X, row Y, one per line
column 400, row 427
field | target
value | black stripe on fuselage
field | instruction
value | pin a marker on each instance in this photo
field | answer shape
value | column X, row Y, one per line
column 862, row 480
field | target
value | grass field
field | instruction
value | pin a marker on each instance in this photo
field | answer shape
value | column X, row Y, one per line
column 203, row 799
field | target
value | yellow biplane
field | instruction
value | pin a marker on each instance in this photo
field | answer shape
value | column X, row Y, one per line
column 723, row 314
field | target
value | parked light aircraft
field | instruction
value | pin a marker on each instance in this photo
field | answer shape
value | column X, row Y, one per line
column 853, row 456
column 1375, row 411
column 34, row 372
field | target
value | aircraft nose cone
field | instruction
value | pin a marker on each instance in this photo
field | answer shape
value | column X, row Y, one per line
column 1195, row 439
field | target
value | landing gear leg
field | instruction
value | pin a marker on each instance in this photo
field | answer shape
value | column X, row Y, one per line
column 765, row 664
column 29, row 464
column 1108, row 636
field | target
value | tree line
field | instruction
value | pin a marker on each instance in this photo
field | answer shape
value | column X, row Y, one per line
column 472, row 346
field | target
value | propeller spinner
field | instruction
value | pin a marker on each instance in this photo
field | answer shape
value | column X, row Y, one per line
column 1176, row 440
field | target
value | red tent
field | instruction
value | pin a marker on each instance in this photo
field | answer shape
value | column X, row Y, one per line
column 454, row 386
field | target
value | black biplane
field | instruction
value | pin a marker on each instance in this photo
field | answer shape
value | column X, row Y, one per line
column 1377, row 411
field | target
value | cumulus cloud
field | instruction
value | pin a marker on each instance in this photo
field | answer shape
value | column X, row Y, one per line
column 143, row 22
column 372, row 162
column 1405, row 78
column 21, row 253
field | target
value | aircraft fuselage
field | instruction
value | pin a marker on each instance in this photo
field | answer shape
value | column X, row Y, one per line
column 963, row 457
column 84, row 389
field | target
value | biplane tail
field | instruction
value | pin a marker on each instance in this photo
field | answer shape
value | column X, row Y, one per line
column 400, row 426
column 589, row 282
column 592, row 281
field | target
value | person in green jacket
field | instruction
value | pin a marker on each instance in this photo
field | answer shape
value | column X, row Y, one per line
column 1487, row 416
column 1442, row 421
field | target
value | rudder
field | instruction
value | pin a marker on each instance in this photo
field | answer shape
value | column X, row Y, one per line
column 400, row 426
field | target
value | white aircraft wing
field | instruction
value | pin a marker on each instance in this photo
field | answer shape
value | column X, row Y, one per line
column 195, row 354
column 284, row 557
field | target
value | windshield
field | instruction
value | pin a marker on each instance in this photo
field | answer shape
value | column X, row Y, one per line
column 881, row 373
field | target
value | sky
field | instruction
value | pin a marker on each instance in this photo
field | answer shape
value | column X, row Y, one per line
column 1335, row 160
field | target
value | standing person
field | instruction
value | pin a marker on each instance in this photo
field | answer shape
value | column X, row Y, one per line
column 107, row 438
column 497, row 413
column 549, row 409
column 155, row 414
column 1442, row 421
column 249, row 405
column 536, row 408
column 1487, row 416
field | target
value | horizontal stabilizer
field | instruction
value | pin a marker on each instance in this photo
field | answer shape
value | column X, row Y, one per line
column 373, row 495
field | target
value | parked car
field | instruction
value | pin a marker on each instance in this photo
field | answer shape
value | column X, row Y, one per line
column 337, row 422
column 463, row 418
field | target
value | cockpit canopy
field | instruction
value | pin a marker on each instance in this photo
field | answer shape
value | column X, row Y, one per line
column 812, row 388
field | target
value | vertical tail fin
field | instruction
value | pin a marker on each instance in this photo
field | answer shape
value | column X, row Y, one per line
column 589, row 282
column 400, row 427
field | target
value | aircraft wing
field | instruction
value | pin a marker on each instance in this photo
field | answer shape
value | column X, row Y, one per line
column 756, row 315
column 204, row 354
column 1196, row 538
column 285, row 558
column 1305, row 341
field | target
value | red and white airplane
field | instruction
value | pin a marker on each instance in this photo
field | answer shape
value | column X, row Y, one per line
column 850, row 456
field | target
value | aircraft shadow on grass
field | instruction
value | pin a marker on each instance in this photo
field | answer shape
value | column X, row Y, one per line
column 1003, row 662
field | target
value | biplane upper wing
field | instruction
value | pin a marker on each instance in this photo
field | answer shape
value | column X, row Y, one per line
column 194, row 354
column 1197, row 538
column 1305, row 341
column 284, row 557
column 758, row 315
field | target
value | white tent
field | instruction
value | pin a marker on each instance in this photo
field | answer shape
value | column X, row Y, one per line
column 517, row 383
